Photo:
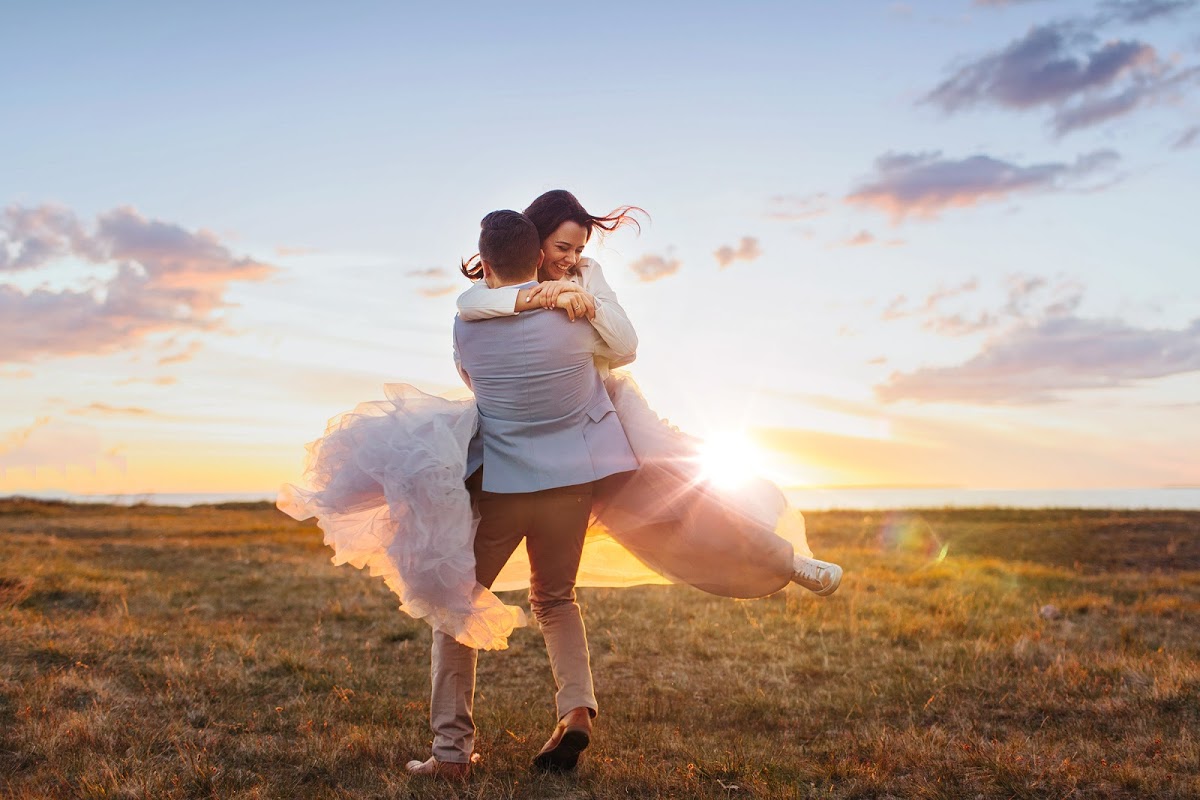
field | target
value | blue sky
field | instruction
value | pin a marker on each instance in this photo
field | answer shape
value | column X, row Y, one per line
column 971, row 256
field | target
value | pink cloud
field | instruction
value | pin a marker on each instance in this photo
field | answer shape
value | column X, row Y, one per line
column 163, row 380
column 283, row 251
column 747, row 250
column 187, row 354
column 859, row 239
column 57, row 445
column 926, row 184
column 107, row 410
column 651, row 268
column 167, row 279
column 792, row 208
column 1037, row 361
column 429, row 272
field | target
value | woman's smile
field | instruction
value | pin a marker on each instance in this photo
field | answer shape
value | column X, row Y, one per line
column 563, row 249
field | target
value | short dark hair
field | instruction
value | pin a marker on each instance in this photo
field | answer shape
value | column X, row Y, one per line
column 509, row 242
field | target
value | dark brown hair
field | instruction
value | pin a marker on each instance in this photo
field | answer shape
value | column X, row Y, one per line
column 557, row 206
column 509, row 242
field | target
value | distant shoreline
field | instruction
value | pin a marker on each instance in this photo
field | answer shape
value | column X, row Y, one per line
column 1182, row 498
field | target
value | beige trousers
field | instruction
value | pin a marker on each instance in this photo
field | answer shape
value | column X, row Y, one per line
column 553, row 523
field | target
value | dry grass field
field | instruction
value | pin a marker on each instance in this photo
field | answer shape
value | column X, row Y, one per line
column 161, row 652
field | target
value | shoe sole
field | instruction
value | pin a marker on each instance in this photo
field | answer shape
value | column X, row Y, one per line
column 565, row 756
column 836, row 581
column 835, row 573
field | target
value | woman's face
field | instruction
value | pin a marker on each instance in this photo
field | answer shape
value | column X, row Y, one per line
column 562, row 250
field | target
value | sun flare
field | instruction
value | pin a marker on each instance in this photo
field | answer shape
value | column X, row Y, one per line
column 729, row 459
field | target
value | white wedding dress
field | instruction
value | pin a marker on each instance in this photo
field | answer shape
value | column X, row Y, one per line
column 386, row 484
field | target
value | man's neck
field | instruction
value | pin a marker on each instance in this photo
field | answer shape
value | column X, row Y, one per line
column 500, row 283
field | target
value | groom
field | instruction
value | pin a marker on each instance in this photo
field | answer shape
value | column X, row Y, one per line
column 547, row 430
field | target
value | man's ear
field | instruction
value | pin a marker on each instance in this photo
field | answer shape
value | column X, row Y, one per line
column 541, row 258
column 487, row 269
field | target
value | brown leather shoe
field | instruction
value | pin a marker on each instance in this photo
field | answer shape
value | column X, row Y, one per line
column 449, row 770
column 571, row 737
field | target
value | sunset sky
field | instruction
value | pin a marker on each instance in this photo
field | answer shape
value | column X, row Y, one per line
column 904, row 244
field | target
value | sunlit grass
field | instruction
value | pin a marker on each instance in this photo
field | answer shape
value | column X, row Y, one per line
column 215, row 652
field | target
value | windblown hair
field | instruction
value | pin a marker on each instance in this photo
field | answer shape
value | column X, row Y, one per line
column 509, row 242
column 557, row 206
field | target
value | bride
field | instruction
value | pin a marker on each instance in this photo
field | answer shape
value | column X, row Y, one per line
column 386, row 480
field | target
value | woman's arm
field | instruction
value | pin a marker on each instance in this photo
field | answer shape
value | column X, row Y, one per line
column 611, row 321
column 480, row 302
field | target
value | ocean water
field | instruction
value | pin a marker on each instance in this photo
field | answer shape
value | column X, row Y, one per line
column 151, row 498
column 1187, row 498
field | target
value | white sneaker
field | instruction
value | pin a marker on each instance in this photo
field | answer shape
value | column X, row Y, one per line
column 820, row 577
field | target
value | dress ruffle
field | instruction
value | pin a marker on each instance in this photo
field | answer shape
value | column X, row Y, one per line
column 386, row 485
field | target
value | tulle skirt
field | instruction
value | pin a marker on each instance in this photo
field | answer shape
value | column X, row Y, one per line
column 385, row 483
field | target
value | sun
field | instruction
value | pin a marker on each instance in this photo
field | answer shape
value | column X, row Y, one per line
column 729, row 458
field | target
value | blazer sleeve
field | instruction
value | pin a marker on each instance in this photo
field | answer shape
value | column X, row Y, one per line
column 462, row 373
column 611, row 322
column 480, row 302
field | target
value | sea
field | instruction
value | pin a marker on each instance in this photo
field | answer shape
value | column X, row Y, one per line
column 810, row 499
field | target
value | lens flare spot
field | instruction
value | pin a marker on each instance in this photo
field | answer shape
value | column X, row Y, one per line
column 912, row 536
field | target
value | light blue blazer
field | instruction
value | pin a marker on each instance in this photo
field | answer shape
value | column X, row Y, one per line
column 545, row 419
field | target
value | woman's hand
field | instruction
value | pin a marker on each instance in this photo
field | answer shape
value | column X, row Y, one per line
column 548, row 292
column 577, row 303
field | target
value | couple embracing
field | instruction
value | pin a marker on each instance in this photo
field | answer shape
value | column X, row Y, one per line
column 557, row 462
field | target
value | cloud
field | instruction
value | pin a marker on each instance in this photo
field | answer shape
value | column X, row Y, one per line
column 16, row 374
column 925, row 184
column 1143, row 92
column 283, row 251
column 1138, row 11
column 1028, row 297
column 163, row 380
column 183, row 355
column 865, row 237
column 166, row 279
column 959, row 324
column 16, row 439
column 439, row 289
column 1187, row 138
column 746, row 250
column 49, row 443
column 935, row 319
column 1066, row 67
column 107, row 410
column 1035, row 362
column 430, row 272
column 793, row 208
column 650, row 268
column 1038, row 68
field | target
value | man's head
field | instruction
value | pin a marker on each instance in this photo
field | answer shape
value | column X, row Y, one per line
column 509, row 247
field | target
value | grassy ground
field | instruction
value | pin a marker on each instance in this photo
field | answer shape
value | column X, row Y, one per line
column 215, row 652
